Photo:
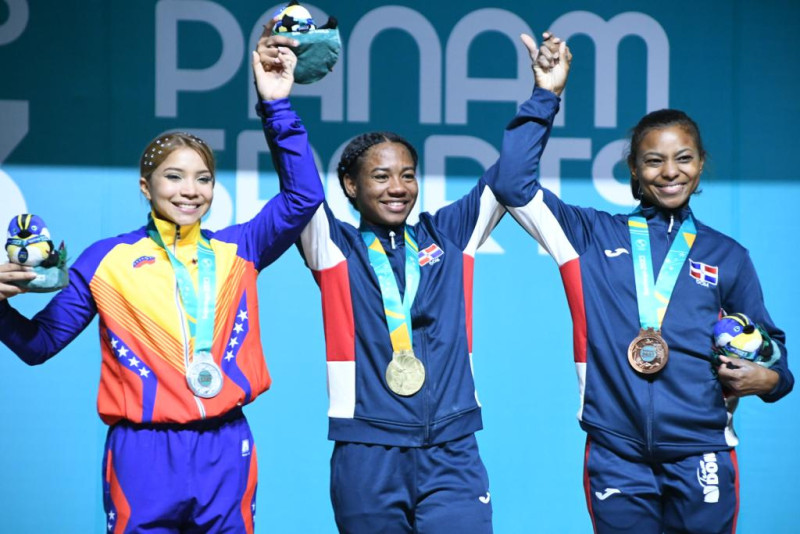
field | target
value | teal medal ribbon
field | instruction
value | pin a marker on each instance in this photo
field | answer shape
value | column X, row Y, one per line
column 202, row 374
column 405, row 373
column 648, row 352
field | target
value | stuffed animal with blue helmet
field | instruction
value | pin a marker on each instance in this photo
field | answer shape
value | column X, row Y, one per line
column 29, row 244
column 737, row 336
column 293, row 18
column 319, row 46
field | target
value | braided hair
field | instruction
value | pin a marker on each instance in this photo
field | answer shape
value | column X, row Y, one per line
column 353, row 154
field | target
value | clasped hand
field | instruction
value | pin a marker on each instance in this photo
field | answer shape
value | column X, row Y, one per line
column 550, row 62
column 273, row 65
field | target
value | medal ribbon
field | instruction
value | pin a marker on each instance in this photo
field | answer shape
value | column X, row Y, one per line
column 199, row 306
column 653, row 296
column 397, row 310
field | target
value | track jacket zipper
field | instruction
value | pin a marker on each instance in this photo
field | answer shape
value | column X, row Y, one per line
column 182, row 317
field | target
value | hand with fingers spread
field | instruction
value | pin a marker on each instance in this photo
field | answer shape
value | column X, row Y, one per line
column 550, row 62
column 11, row 272
column 273, row 65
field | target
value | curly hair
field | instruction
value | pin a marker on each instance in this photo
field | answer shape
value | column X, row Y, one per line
column 658, row 120
column 353, row 154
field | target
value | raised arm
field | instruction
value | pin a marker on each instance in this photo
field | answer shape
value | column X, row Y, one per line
column 517, row 179
column 563, row 230
column 510, row 181
column 280, row 222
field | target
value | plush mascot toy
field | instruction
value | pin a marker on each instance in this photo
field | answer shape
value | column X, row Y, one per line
column 737, row 336
column 319, row 47
column 29, row 244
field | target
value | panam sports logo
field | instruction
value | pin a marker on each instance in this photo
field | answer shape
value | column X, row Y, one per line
column 144, row 260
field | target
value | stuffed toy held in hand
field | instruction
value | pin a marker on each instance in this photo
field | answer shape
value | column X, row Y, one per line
column 737, row 336
column 29, row 244
column 319, row 47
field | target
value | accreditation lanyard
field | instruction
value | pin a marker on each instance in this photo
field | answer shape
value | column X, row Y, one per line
column 199, row 306
column 397, row 310
column 653, row 296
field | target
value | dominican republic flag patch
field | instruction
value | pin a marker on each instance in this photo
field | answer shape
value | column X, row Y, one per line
column 430, row 254
column 705, row 275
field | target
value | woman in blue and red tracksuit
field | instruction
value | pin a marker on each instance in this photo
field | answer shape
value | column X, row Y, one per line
column 174, row 375
column 660, row 440
column 397, row 310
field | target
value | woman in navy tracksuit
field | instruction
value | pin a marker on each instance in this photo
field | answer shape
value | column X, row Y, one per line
column 660, row 439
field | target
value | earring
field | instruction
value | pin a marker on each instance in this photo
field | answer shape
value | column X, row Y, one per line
column 638, row 185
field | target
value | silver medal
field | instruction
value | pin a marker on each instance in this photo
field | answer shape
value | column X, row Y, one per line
column 204, row 376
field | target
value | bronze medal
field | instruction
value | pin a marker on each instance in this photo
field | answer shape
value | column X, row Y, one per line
column 405, row 373
column 648, row 352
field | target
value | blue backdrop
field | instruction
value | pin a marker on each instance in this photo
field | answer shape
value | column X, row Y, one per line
column 85, row 84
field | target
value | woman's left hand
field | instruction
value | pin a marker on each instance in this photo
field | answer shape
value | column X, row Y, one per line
column 743, row 377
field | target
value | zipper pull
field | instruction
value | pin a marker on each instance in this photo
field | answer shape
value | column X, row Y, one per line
column 671, row 220
column 391, row 239
column 177, row 237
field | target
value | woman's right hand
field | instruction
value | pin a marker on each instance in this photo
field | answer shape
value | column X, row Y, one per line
column 11, row 272
column 550, row 62
column 273, row 65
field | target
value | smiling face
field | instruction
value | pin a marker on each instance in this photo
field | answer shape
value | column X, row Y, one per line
column 668, row 166
column 385, row 184
column 181, row 188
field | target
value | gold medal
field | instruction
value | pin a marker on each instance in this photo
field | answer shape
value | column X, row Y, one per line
column 648, row 352
column 405, row 373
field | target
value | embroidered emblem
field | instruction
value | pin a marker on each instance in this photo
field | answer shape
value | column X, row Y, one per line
column 705, row 275
column 144, row 260
column 430, row 255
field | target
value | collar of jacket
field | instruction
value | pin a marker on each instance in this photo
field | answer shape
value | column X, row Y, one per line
column 189, row 235
column 382, row 232
column 657, row 214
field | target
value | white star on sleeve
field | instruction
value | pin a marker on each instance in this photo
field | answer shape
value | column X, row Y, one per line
column 242, row 315
column 233, row 342
column 133, row 362
column 144, row 372
column 229, row 356
column 238, row 328
column 122, row 352
column 114, row 342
